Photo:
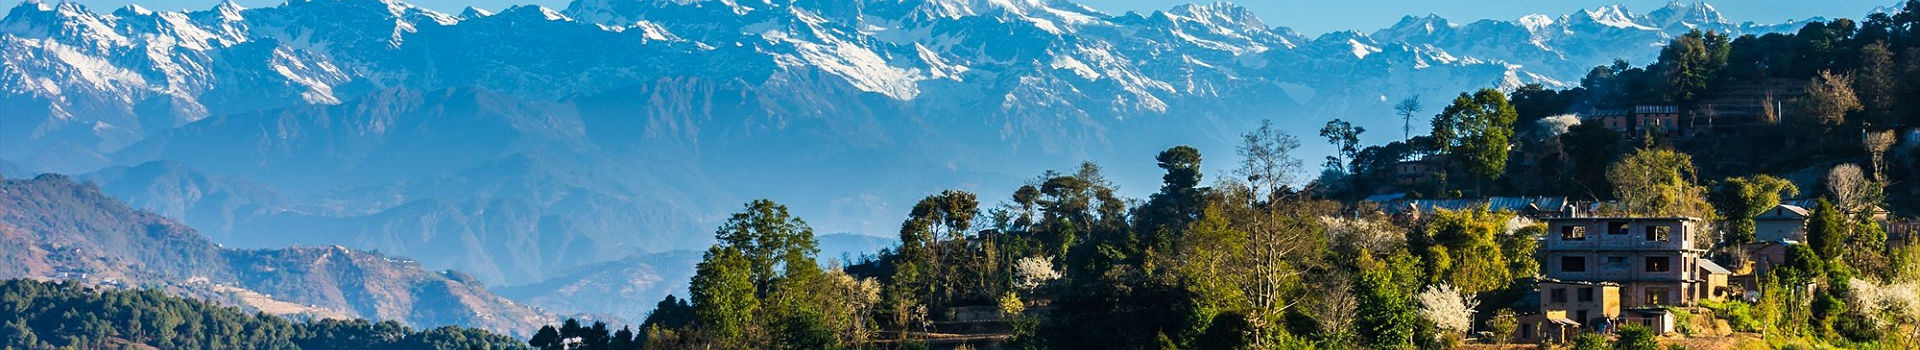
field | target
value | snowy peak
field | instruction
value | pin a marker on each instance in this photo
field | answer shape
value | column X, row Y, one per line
column 531, row 12
column 1695, row 15
column 1536, row 22
column 1616, row 16
column 1411, row 26
column 1219, row 13
column 1034, row 59
column 40, row 5
column 970, row 8
column 472, row 12
column 132, row 10
column 66, row 20
column 230, row 8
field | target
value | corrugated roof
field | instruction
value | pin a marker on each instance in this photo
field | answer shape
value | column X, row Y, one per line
column 1785, row 211
column 1563, row 321
column 1386, row 197
column 1649, row 311
column 1514, row 204
column 1713, row 267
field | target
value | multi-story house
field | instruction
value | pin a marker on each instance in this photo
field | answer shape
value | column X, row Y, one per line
column 1657, row 119
column 1582, row 301
column 1784, row 222
column 1655, row 261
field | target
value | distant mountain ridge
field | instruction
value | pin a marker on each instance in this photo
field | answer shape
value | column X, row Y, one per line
column 54, row 228
column 629, row 288
column 87, row 83
column 531, row 143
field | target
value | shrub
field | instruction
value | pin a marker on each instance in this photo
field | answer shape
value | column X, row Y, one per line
column 1684, row 319
column 1590, row 341
column 1739, row 314
column 1637, row 338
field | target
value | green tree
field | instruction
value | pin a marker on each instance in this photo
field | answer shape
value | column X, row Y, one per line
column 1866, row 247
column 1827, row 230
column 1877, row 85
column 1533, row 102
column 1740, row 199
column 1345, row 139
column 547, row 338
column 724, row 304
column 1212, row 254
column 1177, row 204
column 1590, row 149
column 1387, row 316
column 1692, row 62
column 1475, row 130
column 1471, row 237
column 1521, row 249
column 1502, row 325
column 772, row 241
column 1784, row 300
column 804, row 330
column 927, row 259
column 671, row 313
column 1659, row 182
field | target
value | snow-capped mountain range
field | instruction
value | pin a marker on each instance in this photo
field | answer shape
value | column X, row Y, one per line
column 80, row 83
column 522, row 143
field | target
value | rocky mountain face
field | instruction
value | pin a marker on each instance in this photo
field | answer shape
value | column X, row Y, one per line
column 52, row 227
column 529, row 144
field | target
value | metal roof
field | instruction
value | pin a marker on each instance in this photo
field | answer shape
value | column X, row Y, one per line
column 1627, row 218
column 1713, row 267
column 1649, row 311
column 1513, row 204
column 1782, row 211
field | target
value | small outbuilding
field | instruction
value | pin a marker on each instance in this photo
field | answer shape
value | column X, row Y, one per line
column 1660, row 320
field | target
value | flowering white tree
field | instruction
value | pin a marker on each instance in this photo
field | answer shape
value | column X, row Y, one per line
column 1448, row 308
column 1032, row 272
column 1886, row 305
column 1554, row 126
column 1377, row 236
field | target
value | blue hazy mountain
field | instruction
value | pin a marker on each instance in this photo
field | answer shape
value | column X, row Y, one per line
column 533, row 143
column 53, row 227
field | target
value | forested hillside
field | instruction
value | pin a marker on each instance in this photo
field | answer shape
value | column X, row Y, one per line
column 67, row 315
column 52, row 227
column 1788, row 104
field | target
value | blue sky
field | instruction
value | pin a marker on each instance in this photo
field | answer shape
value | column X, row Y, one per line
column 1309, row 17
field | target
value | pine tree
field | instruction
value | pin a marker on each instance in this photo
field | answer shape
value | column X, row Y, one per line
column 1827, row 230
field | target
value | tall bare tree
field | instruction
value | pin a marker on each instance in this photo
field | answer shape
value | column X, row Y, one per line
column 1850, row 187
column 1877, row 144
column 1407, row 109
column 1268, row 160
column 1333, row 303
